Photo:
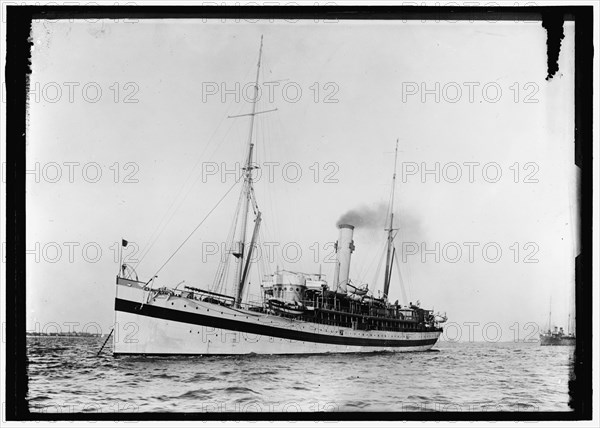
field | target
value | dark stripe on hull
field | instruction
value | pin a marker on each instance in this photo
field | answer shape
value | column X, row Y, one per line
column 265, row 330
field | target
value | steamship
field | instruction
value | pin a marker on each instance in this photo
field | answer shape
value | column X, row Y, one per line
column 557, row 337
column 297, row 313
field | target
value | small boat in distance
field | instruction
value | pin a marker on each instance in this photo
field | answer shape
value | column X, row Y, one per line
column 557, row 337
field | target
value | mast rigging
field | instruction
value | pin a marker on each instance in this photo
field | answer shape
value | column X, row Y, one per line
column 248, row 195
column 390, row 231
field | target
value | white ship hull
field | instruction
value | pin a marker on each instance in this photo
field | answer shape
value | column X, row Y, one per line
column 149, row 324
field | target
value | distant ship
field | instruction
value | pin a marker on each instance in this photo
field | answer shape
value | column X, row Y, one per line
column 298, row 313
column 557, row 337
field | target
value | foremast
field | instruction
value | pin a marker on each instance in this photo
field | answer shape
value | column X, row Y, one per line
column 240, row 251
column 391, row 251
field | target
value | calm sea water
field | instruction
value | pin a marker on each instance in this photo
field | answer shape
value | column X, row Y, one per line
column 66, row 376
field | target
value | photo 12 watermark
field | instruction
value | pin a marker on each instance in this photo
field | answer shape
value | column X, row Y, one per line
column 73, row 92
column 54, row 252
column 80, row 172
column 453, row 172
column 57, row 406
column 272, row 172
column 469, row 252
column 126, row 332
column 276, row 91
column 490, row 332
column 469, row 92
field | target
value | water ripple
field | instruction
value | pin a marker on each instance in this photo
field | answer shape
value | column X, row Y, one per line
column 65, row 375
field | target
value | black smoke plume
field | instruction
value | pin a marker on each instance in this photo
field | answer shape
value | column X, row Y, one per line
column 374, row 217
column 366, row 216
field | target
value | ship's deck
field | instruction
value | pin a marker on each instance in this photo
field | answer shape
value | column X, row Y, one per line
column 329, row 309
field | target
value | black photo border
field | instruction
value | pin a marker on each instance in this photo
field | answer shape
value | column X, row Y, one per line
column 18, row 44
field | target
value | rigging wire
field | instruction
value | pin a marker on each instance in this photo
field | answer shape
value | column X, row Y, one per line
column 268, row 190
column 402, row 289
column 267, row 263
column 247, row 192
column 263, row 263
column 377, row 271
column 162, row 226
column 262, row 154
column 367, row 267
column 218, row 283
column 195, row 229
column 406, row 263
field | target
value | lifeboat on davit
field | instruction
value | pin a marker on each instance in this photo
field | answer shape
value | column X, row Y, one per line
column 283, row 307
column 358, row 291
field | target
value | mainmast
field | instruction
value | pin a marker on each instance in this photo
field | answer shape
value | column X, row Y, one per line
column 390, row 230
column 247, row 195
column 550, row 316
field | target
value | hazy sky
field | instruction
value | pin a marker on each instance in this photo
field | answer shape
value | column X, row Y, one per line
column 144, row 104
